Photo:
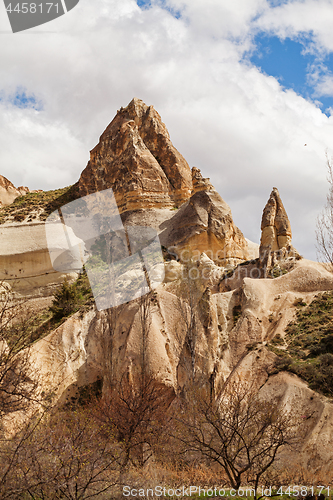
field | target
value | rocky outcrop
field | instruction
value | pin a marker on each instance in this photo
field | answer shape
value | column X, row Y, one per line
column 275, row 243
column 204, row 225
column 200, row 183
column 275, row 225
column 8, row 192
column 75, row 354
column 135, row 157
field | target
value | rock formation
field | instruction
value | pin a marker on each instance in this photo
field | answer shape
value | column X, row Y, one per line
column 136, row 158
column 200, row 183
column 8, row 192
column 204, row 225
column 234, row 326
column 73, row 355
column 25, row 262
column 275, row 243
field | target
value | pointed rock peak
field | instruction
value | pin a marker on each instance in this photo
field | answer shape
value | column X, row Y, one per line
column 275, row 217
column 8, row 192
column 205, row 225
column 275, row 242
column 136, row 158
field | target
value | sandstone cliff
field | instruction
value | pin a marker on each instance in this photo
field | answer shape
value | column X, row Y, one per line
column 204, row 225
column 25, row 262
column 150, row 180
column 228, row 345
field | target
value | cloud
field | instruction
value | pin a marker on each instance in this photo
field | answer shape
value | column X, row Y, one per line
column 21, row 99
column 310, row 18
column 35, row 151
column 238, row 125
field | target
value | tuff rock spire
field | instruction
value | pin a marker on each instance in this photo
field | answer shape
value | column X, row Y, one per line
column 275, row 243
column 136, row 158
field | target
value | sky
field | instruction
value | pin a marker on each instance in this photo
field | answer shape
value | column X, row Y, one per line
column 245, row 88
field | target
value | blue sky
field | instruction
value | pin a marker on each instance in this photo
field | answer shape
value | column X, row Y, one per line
column 22, row 99
column 289, row 62
column 144, row 4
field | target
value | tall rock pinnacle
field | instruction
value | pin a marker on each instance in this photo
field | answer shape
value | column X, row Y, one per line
column 275, row 242
column 135, row 157
column 275, row 225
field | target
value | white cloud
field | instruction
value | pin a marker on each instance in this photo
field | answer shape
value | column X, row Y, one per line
column 299, row 18
column 236, row 124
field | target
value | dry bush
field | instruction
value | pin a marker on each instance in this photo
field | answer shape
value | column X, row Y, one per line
column 17, row 386
column 63, row 456
column 136, row 416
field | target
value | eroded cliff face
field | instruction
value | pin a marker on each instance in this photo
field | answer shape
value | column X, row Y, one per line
column 235, row 318
column 25, row 262
column 153, row 186
column 135, row 157
column 232, row 332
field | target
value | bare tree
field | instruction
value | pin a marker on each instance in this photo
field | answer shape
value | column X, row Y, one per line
column 63, row 456
column 134, row 408
column 17, row 386
column 136, row 416
column 110, row 319
column 238, row 431
column 324, row 232
column 187, row 306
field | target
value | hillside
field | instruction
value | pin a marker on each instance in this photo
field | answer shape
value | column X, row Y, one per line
column 225, row 311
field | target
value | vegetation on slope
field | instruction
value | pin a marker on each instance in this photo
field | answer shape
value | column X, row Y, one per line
column 71, row 297
column 38, row 206
column 310, row 344
column 68, row 299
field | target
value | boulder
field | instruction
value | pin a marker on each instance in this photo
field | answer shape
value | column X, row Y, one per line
column 204, row 225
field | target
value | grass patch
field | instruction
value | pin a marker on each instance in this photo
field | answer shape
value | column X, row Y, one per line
column 38, row 206
column 310, row 344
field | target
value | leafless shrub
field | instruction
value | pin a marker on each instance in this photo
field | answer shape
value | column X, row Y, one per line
column 324, row 232
column 62, row 456
column 18, row 386
column 237, row 431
